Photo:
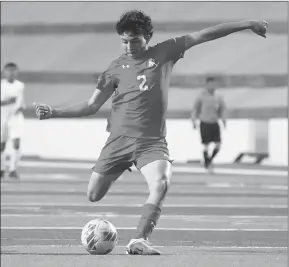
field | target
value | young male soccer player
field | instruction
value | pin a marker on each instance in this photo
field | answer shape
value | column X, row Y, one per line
column 209, row 108
column 138, row 82
column 12, row 118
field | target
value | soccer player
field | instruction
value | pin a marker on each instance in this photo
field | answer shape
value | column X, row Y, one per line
column 209, row 108
column 12, row 118
column 138, row 82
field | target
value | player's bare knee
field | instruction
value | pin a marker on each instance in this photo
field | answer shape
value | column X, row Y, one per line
column 93, row 196
column 205, row 147
column 161, row 185
column 218, row 145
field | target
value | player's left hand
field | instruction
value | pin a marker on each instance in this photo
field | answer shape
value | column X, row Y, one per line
column 260, row 27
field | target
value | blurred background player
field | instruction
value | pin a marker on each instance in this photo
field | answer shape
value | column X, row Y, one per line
column 209, row 108
column 12, row 118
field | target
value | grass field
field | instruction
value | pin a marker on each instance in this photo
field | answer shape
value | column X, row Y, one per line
column 236, row 217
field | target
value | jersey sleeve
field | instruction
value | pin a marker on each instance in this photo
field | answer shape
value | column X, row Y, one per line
column 174, row 48
column 107, row 80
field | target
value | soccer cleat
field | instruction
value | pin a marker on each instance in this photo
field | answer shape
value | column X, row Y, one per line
column 140, row 246
column 13, row 175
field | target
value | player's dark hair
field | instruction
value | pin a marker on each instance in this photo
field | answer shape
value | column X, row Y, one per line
column 210, row 79
column 137, row 22
column 10, row 65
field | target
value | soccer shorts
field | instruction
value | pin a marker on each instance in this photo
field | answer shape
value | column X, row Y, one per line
column 12, row 127
column 121, row 152
column 210, row 132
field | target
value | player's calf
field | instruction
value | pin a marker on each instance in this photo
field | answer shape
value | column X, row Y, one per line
column 206, row 156
column 14, row 159
column 157, row 175
column 215, row 151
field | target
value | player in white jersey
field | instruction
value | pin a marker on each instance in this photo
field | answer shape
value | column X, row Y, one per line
column 12, row 118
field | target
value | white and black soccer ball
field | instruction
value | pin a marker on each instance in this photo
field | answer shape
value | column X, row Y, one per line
column 99, row 237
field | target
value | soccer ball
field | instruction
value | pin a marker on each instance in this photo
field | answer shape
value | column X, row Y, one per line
column 99, row 237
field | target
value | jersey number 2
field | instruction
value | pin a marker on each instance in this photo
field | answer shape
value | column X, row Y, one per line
column 143, row 86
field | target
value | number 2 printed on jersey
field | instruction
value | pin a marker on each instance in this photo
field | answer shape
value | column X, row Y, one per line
column 143, row 86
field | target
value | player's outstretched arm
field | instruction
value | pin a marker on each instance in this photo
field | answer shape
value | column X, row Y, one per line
column 195, row 112
column 222, row 30
column 83, row 109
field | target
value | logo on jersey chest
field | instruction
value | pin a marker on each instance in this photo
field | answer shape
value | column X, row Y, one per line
column 152, row 63
column 125, row 66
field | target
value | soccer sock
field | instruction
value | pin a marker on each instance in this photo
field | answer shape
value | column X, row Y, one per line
column 14, row 159
column 215, row 152
column 150, row 215
column 206, row 157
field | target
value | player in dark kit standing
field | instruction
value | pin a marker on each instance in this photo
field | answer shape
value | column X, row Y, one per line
column 209, row 108
column 138, row 82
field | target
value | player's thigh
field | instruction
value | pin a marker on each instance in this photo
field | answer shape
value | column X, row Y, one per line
column 4, row 131
column 154, row 162
column 16, row 127
column 216, row 134
column 4, row 134
column 205, row 133
column 114, row 159
column 116, row 156
column 99, row 184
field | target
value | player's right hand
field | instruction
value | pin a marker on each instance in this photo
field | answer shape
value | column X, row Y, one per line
column 43, row 112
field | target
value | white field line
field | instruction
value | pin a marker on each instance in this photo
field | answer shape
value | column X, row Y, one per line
column 162, row 229
column 195, row 248
column 237, row 186
column 184, row 217
column 181, row 169
column 38, row 204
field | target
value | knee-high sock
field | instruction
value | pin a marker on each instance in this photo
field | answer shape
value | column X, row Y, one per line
column 148, row 220
column 215, row 152
column 206, row 157
column 14, row 159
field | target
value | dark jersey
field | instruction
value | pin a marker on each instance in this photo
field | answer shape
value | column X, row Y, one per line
column 140, row 85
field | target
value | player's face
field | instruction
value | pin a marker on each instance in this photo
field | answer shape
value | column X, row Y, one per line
column 211, row 87
column 133, row 44
column 10, row 73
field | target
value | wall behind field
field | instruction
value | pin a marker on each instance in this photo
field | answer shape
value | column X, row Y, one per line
column 84, row 139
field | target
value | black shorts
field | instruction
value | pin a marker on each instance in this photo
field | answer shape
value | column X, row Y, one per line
column 210, row 132
column 121, row 152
